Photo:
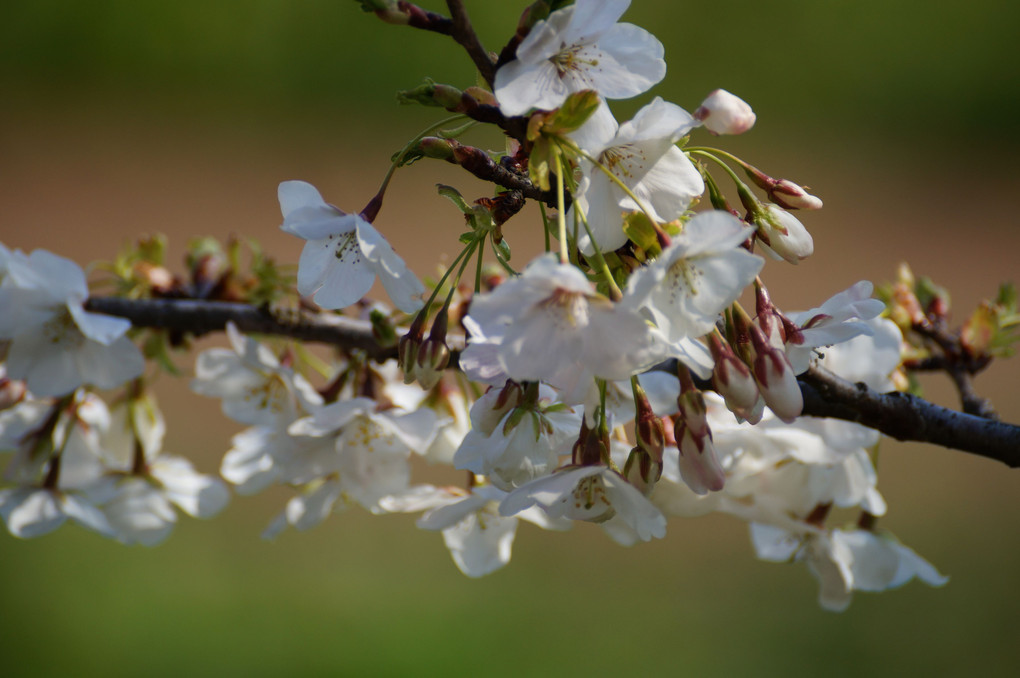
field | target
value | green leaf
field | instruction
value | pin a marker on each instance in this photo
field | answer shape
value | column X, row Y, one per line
column 641, row 231
column 454, row 196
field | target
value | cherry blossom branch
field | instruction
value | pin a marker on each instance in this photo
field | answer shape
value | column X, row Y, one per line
column 958, row 363
column 898, row 415
column 906, row 417
column 201, row 317
column 479, row 163
column 464, row 33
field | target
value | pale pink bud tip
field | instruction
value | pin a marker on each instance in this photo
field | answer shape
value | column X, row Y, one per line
column 787, row 194
column 725, row 113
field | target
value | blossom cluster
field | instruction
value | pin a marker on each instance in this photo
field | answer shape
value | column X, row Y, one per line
column 616, row 379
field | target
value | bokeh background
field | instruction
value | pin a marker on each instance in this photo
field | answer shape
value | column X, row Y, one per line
column 125, row 117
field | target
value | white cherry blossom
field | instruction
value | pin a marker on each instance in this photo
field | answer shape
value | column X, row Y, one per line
column 56, row 345
column 524, row 444
column 343, row 253
column 550, row 325
column 478, row 537
column 577, row 48
column 590, row 493
column 254, row 387
column 642, row 154
column 702, row 272
column 841, row 318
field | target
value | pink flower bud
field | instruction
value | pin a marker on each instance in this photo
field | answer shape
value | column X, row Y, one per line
column 790, row 196
column 775, row 377
column 732, row 378
column 724, row 113
column 699, row 466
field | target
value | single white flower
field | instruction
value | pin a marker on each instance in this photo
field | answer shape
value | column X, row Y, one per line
column 56, row 345
column 524, row 444
column 577, row 48
column 641, row 154
column 35, row 511
column 550, row 326
column 372, row 448
column 148, row 482
column 478, row 537
column 254, row 386
column 841, row 318
column 702, row 272
column 343, row 253
column 591, row 493
column 845, row 561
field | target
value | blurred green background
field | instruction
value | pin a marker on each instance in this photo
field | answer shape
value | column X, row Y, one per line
column 121, row 118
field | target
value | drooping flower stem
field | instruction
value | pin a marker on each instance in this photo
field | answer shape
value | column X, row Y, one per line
column 715, row 151
column 371, row 210
column 600, row 261
column 465, row 254
column 746, row 196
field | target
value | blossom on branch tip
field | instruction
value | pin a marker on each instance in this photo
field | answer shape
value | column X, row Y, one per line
column 343, row 253
column 576, row 48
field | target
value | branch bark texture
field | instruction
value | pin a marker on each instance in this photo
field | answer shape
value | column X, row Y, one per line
column 897, row 415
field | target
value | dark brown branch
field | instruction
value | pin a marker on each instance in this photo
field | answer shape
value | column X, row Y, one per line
column 464, row 34
column 479, row 163
column 202, row 317
column 424, row 19
column 909, row 418
column 956, row 361
column 898, row 415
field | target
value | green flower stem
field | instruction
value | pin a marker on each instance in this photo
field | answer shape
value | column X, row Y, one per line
column 561, row 217
column 623, row 187
column 464, row 254
column 746, row 196
column 715, row 151
column 545, row 227
column 411, row 144
column 600, row 261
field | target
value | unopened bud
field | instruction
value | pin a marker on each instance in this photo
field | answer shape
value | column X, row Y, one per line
column 783, row 233
column 12, row 392
column 436, row 147
column 791, row 196
column 483, row 97
column 432, row 94
column 732, row 378
column 642, row 471
column 408, row 347
column 698, row 463
column 775, row 377
column 433, row 357
column 725, row 113
column 647, row 426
